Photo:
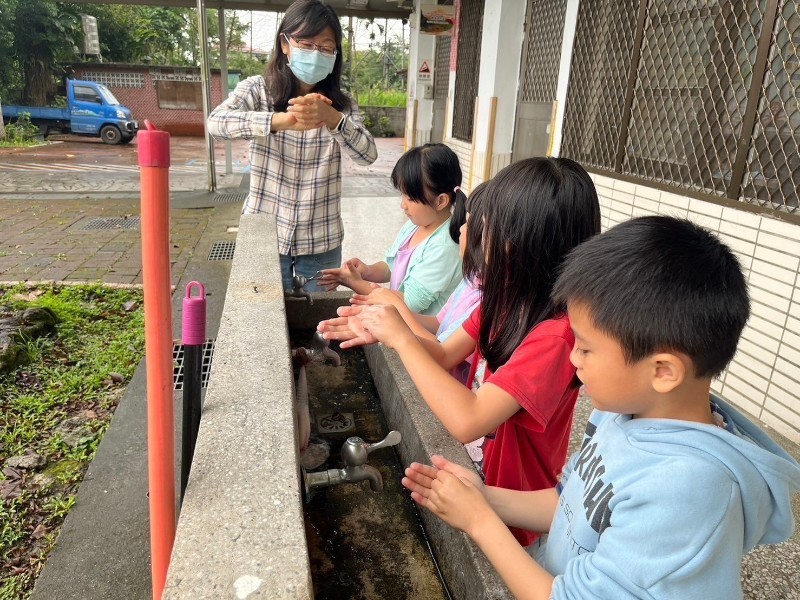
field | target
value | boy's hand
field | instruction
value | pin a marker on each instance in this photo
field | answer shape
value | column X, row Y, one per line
column 347, row 328
column 449, row 492
column 427, row 473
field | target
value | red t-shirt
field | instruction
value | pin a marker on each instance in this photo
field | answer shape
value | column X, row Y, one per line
column 529, row 450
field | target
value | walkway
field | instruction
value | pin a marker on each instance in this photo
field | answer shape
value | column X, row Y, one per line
column 84, row 226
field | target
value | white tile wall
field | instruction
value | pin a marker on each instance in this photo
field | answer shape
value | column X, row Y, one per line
column 464, row 152
column 764, row 377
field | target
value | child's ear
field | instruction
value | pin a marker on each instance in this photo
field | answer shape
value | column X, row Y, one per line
column 442, row 201
column 668, row 371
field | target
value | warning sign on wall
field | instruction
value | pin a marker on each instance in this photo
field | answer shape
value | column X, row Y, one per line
column 425, row 72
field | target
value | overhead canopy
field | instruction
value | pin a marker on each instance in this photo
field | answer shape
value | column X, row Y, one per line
column 383, row 9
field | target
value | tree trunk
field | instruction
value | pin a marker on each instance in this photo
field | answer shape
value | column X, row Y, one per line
column 37, row 79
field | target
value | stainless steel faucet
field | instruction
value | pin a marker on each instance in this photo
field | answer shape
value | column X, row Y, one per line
column 321, row 346
column 354, row 454
column 298, row 289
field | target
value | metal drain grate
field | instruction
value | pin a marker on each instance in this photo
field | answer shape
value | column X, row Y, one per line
column 234, row 197
column 335, row 422
column 177, row 364
column 113, row 223
column 222, row 251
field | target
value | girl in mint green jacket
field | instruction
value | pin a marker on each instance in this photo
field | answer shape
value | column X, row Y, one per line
column 423, row 264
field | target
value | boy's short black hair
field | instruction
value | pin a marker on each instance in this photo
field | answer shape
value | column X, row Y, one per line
column 660, row 284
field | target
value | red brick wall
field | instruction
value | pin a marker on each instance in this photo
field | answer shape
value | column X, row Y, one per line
column 143, row 101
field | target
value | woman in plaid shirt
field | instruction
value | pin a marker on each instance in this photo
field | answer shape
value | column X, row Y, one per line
column 299, row 121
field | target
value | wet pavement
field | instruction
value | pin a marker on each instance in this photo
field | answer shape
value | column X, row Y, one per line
column 69, row 210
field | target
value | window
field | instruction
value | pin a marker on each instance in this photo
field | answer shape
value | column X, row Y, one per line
column 86, row 94
column 665, row 91
column 468, row 64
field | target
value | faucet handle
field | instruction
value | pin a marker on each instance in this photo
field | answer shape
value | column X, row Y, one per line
column 392, row 439
column 299, row 282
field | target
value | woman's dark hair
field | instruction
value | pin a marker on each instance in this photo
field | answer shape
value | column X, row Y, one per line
column 426, row 171
column 305, row 19
column 532, row 213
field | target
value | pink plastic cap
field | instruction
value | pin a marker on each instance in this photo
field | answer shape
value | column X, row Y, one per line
column 153, row 145
column 193, row 322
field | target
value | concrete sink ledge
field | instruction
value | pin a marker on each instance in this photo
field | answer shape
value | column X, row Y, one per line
column 240, row 533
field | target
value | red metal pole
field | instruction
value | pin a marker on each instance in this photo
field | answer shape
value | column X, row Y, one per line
column 154, row 168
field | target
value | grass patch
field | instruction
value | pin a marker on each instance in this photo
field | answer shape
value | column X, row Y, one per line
column 58, row 406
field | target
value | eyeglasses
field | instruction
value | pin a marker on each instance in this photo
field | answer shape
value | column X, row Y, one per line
column 309, row 45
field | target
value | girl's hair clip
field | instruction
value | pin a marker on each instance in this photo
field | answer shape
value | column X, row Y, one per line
column 457, row 189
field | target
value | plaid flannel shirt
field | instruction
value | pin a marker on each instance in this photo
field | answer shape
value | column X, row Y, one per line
column 295, row 175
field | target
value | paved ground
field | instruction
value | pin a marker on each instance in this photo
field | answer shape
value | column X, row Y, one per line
column 49, row 216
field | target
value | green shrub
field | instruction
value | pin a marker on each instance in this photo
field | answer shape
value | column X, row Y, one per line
column 385, row 126
column 22, row 132
column 380, row 97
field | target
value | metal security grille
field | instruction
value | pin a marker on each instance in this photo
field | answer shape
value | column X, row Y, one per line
column 177, row 364
column 545, row 27
column 772, row 177
column 222, row 251
column 112, row 223
column 233, row 197
column 470, row 30
column 441, row 72
column 120, row 80
column 691, row 93
column 604, row 41
column 174, row 75
column 696, row 96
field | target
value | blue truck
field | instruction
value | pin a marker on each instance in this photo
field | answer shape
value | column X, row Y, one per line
column 92, row 110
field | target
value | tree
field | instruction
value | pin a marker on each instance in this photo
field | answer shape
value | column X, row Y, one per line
column 44, row 38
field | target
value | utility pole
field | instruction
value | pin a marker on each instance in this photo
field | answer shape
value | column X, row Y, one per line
column 386, row 53
column 351, row 51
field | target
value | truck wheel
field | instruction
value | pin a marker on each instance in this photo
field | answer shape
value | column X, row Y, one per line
column 110, row 135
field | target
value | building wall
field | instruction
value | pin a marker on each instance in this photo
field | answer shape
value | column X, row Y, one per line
column 764, row 377
column 135, row 87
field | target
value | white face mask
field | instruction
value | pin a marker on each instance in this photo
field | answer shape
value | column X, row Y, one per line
column 310, row 66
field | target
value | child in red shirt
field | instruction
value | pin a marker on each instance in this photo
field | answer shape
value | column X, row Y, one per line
column 533, row 213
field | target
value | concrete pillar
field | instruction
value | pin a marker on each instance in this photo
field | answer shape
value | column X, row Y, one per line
column 205, row 84
column 419, row 112
column 570, row 24
column 501, row 44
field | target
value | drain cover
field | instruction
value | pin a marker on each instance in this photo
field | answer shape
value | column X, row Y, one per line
column 222, row 251
column 113, row 223
column 177, row 364
column 335, row 422
column 236, row 197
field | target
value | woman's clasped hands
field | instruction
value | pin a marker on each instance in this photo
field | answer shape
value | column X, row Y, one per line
column 308, row 112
